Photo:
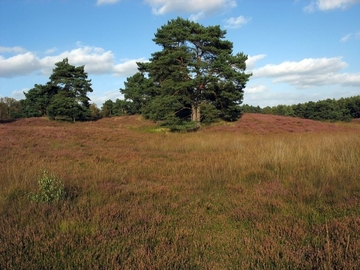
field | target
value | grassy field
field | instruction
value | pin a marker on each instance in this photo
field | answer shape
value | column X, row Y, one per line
column 266, row 192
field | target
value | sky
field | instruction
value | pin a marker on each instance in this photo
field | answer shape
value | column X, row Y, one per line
column 298, row 50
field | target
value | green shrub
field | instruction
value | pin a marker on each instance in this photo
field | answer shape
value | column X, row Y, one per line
column 50, row 189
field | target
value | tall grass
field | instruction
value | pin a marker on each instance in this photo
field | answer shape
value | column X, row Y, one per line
column 205, row 200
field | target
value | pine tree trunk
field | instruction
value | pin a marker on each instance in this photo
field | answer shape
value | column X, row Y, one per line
column 195, row 114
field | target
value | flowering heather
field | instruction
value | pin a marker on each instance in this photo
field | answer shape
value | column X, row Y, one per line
column 265, row 192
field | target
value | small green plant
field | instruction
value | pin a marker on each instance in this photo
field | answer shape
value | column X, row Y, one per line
column 51, row 189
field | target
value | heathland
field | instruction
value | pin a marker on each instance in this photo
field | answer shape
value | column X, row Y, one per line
column 264, row 192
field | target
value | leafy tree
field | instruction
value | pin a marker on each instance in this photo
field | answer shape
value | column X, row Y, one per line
column 95, row 112
column 122, row 107
column 246, row 108
column 9, row 108
column 107, row 108
column 267, row 110
column 195, row 67
column 283, row 110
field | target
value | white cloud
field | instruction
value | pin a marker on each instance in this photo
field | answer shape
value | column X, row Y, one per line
column 334, row 4
column 198, row 8
column 128, row 67
column 236, row 22
column 347, row 79
column 99, row 99
column 256, row 89
column 306, row 66
column 12, row 49
column 96, row 61
column 310, row 72
column 324, row 5
column 251, row 61
column 104, row 2
column 19, row 65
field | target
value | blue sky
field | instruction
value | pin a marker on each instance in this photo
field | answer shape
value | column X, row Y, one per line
column 299, row 50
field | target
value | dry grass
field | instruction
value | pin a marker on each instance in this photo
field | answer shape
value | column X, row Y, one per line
column 262, row 193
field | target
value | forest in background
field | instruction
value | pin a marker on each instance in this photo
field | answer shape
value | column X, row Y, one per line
column 343, row 109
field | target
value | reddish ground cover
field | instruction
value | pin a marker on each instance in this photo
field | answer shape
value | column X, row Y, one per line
column 265, row 124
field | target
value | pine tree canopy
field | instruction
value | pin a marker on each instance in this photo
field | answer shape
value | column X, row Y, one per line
column 193, row 78
column 63, row 97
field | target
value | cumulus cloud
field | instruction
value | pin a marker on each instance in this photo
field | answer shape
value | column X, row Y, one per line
column 256, row 89
column 305, row 66
column 324, row 5
column 19, row 65
column 251, row 61
column 96, row 61
column 198, row 8
column 128, row 67
column 309, row 72
column 104, row 2
column 236, row 22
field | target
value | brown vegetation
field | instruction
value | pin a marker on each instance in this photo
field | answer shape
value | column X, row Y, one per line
column 266, row 192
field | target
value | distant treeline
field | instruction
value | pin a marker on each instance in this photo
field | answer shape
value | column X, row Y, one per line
column 343, row 109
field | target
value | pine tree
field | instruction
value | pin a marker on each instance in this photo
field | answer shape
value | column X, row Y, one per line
column 194, row 73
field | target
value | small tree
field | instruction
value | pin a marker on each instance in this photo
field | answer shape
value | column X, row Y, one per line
column 50, row 189
column 95, row 111
column 107, row 108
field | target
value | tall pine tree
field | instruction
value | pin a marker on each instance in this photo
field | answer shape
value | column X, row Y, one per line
column 195, row 77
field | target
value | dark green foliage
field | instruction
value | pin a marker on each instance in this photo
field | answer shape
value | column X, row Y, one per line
column 343, row 109
column 63, row 97
column 107, row 108
column 210, row 113
column 194, row 74
column 250, row 109
column 65, row 108
column 137, row 92
column 38, row 99
column 117, row 108
column 121, row 107
column 351, row 104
